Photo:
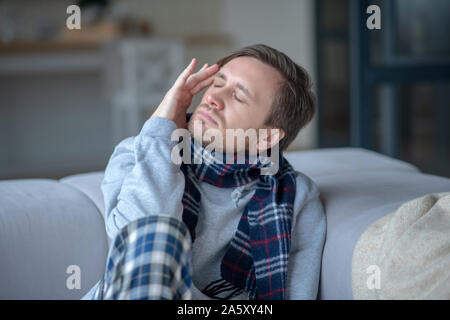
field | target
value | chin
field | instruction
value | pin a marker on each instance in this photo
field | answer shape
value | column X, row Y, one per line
column 190, row 125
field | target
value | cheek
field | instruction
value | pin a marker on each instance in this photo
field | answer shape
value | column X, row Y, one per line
column 239, row 118
column 253, row 119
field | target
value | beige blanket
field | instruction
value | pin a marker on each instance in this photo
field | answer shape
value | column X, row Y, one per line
column 406, row 254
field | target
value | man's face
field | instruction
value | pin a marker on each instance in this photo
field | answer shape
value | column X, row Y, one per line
column 239, row 98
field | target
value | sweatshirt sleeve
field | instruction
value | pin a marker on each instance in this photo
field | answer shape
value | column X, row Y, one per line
column 141, row 179
column 307, row 242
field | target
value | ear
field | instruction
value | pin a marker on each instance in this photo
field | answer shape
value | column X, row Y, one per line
column 269, row 138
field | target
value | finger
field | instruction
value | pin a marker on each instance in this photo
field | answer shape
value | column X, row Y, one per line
column 202, row 85
column 192, row 75
column 187, row 72
column 200, row 76
column 203, row 68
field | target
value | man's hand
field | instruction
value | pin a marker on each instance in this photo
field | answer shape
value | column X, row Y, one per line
column 178, row 99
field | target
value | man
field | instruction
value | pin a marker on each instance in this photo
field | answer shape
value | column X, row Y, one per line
column 216, row 230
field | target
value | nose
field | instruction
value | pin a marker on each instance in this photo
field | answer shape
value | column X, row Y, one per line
column 214, row 101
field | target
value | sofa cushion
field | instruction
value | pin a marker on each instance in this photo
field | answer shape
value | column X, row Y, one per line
column 406, row 252
column 89, row 184
column 321, row 162
column 352, row 202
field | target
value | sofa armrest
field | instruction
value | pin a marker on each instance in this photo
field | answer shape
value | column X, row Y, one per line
column 46, row 226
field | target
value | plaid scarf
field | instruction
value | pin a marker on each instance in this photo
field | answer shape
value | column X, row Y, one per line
column 256, row 259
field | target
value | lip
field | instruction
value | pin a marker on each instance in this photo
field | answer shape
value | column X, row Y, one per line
column 206, row 116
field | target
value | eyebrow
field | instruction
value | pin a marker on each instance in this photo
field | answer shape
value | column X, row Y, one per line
column 239, row 85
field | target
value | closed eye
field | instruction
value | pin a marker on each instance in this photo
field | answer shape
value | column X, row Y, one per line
column 234, row 93
column 237, row 99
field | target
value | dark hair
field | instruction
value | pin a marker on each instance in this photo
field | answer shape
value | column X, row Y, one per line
column 294, row 104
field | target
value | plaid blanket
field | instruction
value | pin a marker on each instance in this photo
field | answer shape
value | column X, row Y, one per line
column 148, row 260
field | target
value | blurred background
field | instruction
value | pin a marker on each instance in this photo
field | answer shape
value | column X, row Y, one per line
column 67, row 97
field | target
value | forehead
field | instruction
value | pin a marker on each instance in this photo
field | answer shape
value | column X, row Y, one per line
column 261, row 79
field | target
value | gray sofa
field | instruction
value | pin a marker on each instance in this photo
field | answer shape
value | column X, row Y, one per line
column 47, row 225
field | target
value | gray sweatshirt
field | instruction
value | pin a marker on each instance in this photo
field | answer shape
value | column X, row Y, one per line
column 141, row 179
